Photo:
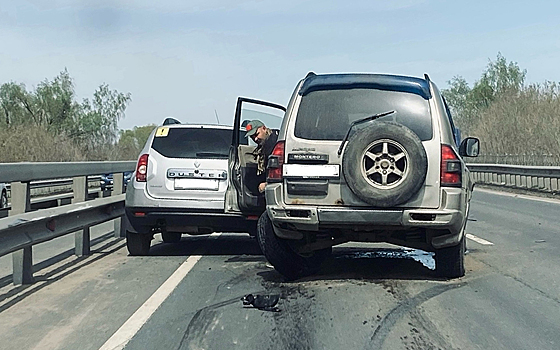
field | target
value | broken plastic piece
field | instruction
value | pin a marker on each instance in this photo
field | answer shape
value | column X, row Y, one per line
column 262, row 302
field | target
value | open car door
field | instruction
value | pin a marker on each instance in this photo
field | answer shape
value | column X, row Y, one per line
column 242, row 195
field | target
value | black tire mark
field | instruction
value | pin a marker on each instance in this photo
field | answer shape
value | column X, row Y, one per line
column 295, row 325
column 202, row 319
column 388, row 322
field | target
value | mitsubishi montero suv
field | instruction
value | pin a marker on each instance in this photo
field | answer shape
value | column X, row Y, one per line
column 366, row 158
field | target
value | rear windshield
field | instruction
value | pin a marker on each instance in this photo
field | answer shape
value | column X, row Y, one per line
column 195, row 143
column 327, row 114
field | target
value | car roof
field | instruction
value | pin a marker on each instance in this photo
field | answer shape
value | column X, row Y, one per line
column 198, row 126
column 314, row 82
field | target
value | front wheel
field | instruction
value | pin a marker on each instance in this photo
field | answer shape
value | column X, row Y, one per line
column 281, row 255
column 450, row 261
column 138, row 244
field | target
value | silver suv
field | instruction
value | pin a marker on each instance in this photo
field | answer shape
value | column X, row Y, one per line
column 366, row 158
column 179, row 186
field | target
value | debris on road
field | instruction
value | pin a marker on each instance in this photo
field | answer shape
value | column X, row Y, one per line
column 262, row 302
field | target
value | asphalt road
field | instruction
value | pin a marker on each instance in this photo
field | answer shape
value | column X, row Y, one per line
column 187, row 295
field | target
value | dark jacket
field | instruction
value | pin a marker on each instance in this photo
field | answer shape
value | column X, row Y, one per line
column 262, row 152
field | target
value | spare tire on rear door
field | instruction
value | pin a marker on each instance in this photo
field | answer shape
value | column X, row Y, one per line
column 384, row 164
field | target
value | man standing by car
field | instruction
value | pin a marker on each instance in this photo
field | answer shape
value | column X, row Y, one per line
column 265, row 139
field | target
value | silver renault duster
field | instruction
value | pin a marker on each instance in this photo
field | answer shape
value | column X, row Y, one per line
column 179, row 186
column 366, row 158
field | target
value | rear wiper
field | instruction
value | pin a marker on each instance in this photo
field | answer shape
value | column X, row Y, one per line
column 211, row 154
column 360, row 121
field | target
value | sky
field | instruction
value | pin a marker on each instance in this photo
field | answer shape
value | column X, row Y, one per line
column 191, row 59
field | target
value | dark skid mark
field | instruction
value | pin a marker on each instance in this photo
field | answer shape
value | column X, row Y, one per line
column 406, row 306
column 295, row 326
column 202, row 319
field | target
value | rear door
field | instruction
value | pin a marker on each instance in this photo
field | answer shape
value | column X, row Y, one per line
column 189, row 163
column 313, row 172
column 242, row 194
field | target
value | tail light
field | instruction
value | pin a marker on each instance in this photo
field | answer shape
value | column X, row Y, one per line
column 142, row 168
column 275, row 162
column 450, row 167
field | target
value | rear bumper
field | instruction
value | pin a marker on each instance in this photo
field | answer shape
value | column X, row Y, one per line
column 143, row 220
column 442, row 227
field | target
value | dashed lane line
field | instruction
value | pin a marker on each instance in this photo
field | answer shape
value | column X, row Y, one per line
column 478, row 239
column 129, row 329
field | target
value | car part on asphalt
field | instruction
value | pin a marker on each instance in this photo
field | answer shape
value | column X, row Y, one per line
column 262, row 302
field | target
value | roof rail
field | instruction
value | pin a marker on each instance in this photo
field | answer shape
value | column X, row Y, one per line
column 310, row 74
column 169, row 121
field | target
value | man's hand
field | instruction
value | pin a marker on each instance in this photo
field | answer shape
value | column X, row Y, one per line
column 262, row 185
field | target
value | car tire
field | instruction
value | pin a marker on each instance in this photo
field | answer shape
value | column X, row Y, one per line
column 171, row 237
column 280, row 254
column 4, row 200
column 385, row 164
column 138, row 244
column 450, row 261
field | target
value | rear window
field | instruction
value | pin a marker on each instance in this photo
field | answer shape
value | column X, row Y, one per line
column 327, row 114
column 195, row 143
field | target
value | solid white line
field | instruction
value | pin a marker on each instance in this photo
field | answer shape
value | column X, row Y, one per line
column 129, row 329
column 478, row 239
column 518, row 195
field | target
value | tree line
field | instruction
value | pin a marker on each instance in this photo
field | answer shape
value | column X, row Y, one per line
column 509, row 116
column 47, row 123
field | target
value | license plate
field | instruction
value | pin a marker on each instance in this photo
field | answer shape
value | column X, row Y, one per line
column 196, row 184
column 311, row 171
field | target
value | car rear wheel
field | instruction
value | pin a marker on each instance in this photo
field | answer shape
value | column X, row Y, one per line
column 385, row 164
column 138, row 244
column 4, row 200
column 171, row 237
column 282, row 256
column 450, row 261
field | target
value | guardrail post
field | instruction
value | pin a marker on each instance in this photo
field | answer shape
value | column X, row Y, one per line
column 21, row 202
column 81, row 238
column 82, row 241
column 118, row 184
column 22, row 260
column 548, row 184
column 23, row 266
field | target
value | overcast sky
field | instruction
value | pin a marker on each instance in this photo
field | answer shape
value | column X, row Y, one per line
column 187, row 58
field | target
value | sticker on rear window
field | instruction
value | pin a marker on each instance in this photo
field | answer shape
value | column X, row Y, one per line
column 162, row 131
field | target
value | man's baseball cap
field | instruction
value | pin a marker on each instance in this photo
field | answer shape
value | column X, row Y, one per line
column 252, row 127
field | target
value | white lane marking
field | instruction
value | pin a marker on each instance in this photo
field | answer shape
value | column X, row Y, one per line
column 129, row 329
column 478, row 239
column 516, row 195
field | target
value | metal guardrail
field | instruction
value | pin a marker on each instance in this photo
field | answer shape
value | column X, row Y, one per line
column 22, row 228
column 535, row 178
column 53, row 193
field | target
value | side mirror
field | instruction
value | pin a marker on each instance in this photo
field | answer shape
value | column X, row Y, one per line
column 470, row 147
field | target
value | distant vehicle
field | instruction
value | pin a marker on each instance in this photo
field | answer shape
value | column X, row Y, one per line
column 364, row 158
column 3, row 196
column 106, row 180
column 179, row 186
